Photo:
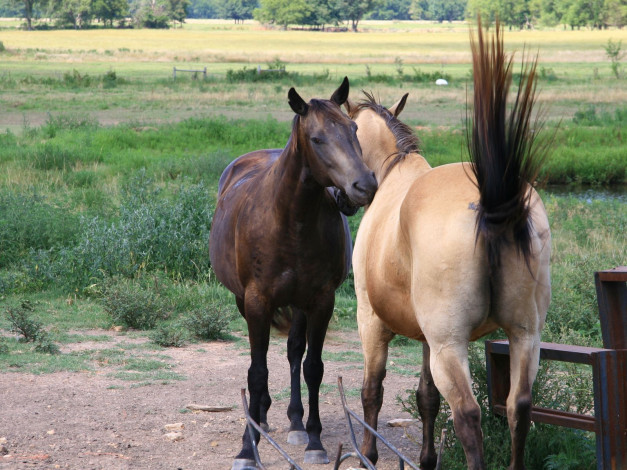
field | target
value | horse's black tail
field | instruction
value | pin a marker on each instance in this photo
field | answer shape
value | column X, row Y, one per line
column 504, row 151
column 282, row 320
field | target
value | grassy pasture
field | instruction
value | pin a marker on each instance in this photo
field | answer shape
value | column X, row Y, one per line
column 576, row 71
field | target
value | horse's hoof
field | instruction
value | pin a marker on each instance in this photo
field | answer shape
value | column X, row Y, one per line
column 265, row 427
column 316, row 457
column 297, row 438
column 244, row 464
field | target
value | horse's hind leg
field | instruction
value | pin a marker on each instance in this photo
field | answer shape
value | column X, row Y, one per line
column 449, row 366
column 524, row 357
column 428, row 400
column 375, row 337
column 296, row 344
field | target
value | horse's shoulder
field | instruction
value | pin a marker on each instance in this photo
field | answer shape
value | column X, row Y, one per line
column 247, row 167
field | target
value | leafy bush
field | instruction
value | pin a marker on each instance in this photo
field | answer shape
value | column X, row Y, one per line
column 110, row 79
column 74, row 79
column 29, row 222
column 134, row 305
column 31, row 330
column 209, row 322
column 152, row 233
column 169, row 336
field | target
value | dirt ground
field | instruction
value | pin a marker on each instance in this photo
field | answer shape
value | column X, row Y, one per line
column 92, row 420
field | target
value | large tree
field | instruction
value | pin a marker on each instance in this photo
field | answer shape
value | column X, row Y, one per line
column 108, row 11
column 74, row 13
column 203, row 9
column 283, row 12
column 178, row 10
column 28, row 10
column 355, row 10
column 238, row 10
column 447, row 10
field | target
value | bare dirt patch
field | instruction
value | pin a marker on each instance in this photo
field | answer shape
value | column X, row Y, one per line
column 95, row 420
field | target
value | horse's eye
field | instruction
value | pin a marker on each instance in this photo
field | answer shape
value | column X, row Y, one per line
column 316, row 140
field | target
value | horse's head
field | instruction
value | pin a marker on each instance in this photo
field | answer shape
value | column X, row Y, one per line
column 328, row 140
column 384, row 139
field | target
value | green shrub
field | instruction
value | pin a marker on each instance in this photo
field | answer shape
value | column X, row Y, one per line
column 169, row 336
column 110, row 79
column 74, row 79
column 22, row 323
column 4, row 347
column 209, row 322
column 134, row 303
column 29, row 222
column 153, row 232
column 30, row 329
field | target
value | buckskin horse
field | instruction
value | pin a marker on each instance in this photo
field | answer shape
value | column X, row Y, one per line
column 280, row 244
column 448, row 254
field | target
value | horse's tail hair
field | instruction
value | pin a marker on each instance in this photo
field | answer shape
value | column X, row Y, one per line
column 504, row 151
column 282, row 320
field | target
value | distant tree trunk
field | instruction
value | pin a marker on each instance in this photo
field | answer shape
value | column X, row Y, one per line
column 28, row 13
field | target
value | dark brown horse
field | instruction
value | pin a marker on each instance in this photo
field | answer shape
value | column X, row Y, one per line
column 280, row 244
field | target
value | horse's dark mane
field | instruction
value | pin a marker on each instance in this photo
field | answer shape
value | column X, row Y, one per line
column 406, row 141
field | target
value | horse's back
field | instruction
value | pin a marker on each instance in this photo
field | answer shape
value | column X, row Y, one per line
column 246, row 168
column 235, row 188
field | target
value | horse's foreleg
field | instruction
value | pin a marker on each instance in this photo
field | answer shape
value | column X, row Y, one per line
column 428, row 400
column 451, row 375
column 313, row 370
column 524, row 358
column 258, row 319
column 374, row 341
column 296, row 344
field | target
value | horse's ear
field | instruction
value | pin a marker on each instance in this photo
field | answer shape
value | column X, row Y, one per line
column 297, row 104
column 350, row 107
column 341, row 94
column 398, row 106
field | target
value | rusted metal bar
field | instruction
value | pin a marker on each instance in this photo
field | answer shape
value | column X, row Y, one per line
column 364, row 460
column 555, row 417
column 252, row 425
column 610, row 408
column 612, row 300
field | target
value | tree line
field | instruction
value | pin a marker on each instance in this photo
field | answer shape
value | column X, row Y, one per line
column 575, row 14
column 109, row 13
column 317, row 14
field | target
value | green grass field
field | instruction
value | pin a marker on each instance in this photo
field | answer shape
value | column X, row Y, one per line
column 109, row 169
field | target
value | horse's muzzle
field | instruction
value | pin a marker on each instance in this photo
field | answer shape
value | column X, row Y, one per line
column 363, row 190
